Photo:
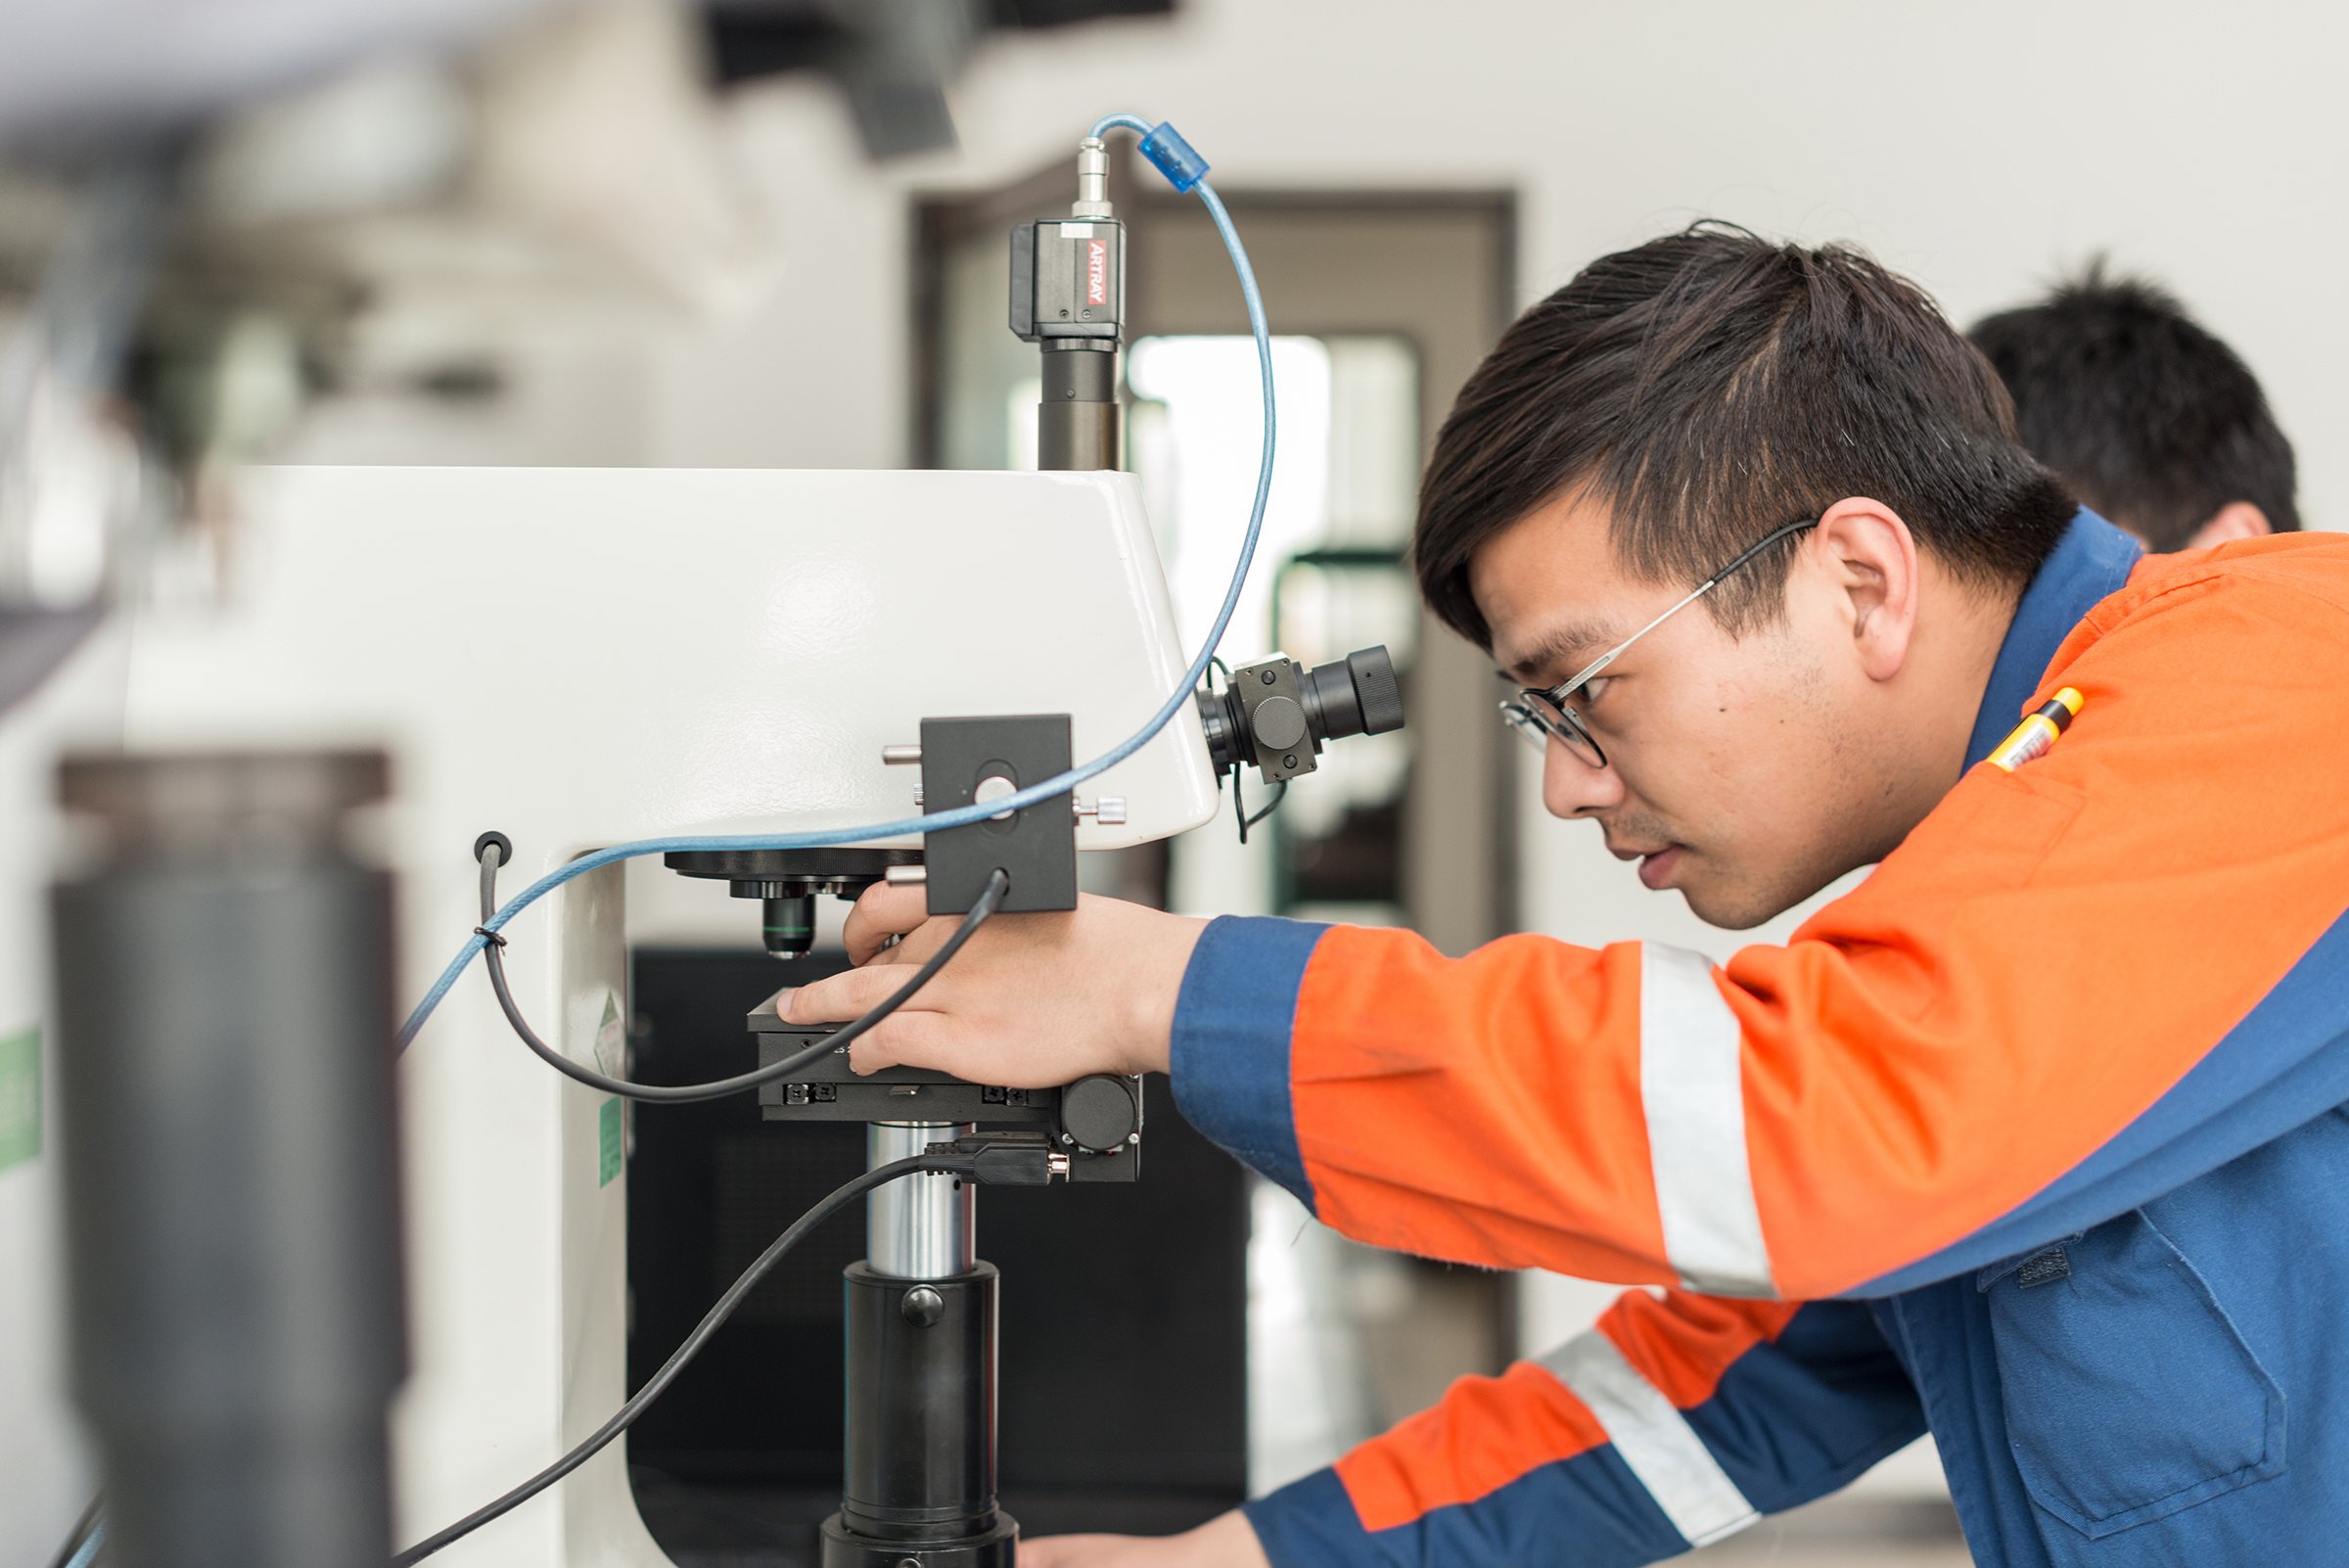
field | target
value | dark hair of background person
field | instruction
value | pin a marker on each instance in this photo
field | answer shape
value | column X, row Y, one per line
column 1710, row 386
column 2153, row 421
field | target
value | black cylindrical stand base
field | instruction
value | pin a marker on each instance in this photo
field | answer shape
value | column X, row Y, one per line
column 999, row 1547
column 921, row 1385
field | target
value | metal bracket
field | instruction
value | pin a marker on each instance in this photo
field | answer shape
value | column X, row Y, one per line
column 965, row 761
column 1274, row 702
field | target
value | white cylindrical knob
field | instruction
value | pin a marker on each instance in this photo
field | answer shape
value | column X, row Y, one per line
column 1109, row 810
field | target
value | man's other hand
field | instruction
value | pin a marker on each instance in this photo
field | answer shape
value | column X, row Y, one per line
column 1226, row 1542
column 1032, row 1001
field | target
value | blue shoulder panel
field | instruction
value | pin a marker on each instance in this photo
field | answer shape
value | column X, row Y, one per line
column 2090, row 565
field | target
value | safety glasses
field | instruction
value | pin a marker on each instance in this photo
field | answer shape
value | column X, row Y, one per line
column 1543, row 715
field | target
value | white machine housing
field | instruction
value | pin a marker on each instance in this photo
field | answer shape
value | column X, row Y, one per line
column 583, row 658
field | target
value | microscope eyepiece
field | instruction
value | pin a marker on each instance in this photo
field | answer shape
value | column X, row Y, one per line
column 1276, row 715
column 1355, row 695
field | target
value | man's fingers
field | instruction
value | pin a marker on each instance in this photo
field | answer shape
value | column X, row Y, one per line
column 907, row 1038
column 882, row 912
column 839, row 997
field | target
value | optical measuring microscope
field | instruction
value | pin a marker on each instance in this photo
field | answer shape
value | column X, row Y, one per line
column 710, row 665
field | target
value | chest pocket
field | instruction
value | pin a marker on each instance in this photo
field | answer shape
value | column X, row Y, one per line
column 2129, row 1395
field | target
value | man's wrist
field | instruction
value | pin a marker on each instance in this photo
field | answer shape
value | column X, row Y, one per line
column 1159, row 991
column 1230, row 1541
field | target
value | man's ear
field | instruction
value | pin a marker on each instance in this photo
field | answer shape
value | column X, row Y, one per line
column 1870, row 560
column 2236, row 520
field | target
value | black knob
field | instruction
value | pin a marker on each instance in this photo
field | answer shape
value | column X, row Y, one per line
column 1376, row 689
column 1358, row 695
column 1098, row 1112
column 1280, row 723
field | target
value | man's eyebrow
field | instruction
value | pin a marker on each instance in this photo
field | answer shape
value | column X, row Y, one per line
column 1564, row 648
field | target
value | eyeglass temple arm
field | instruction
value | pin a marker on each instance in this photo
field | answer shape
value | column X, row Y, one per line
column 1685, row 600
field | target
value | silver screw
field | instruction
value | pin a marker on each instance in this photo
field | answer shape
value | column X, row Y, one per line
column 902, row 755
column 906, row 876
column 1109, row 810
column 994, row 788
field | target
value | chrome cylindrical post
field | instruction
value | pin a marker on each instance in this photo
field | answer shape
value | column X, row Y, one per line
column 923, row 1227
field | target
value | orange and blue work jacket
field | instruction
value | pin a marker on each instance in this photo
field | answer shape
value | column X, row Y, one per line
column 2036, row 1139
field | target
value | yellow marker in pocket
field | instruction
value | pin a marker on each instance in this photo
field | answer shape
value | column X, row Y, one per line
column 2038, row 732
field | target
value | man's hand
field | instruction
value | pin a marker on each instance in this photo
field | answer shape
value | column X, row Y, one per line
column 1032, row 1001
column 1226, row 1542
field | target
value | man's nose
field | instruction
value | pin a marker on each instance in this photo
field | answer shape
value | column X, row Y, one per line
column 1572, row 787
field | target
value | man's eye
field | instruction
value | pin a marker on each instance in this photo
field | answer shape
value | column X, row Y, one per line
column 1595, row 687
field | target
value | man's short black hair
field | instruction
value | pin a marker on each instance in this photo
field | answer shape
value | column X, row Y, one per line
column 1710, row 386
column 2152, row 420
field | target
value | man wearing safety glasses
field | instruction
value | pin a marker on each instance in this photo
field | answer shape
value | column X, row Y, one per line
column 1547, row 714
column 2031, row 1140
column 1550, row 713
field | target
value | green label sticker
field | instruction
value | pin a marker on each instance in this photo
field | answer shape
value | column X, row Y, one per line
column 611, row 1140
column 19, row 1097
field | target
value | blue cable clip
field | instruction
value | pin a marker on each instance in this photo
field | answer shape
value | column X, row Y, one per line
column 1174, row 157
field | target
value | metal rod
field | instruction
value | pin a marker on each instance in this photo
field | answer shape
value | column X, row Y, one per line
column 924, row 1226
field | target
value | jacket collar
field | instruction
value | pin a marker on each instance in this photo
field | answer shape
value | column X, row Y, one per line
column 2089, row 564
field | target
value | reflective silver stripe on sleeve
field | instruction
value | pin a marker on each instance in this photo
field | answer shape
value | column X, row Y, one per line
column 1691, row 1085
column 1653, row 1439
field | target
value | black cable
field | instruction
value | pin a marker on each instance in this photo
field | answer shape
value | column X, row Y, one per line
column 82, row 1529
column 1280, row 792
column 658, row 1384
column 1239, row 807
column 991, row 898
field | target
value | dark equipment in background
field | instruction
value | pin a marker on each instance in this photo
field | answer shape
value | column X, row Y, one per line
column 892, row 58
column 224, row 1000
